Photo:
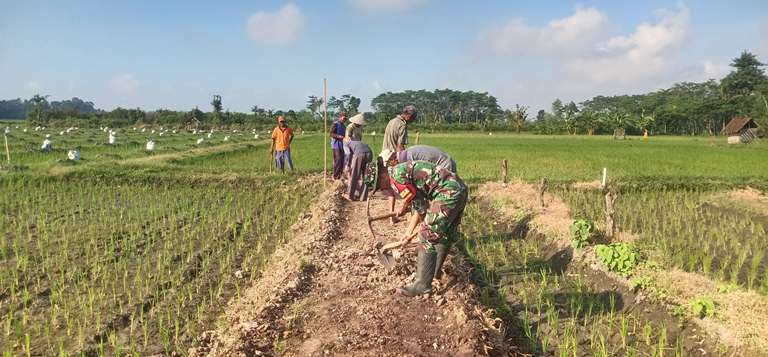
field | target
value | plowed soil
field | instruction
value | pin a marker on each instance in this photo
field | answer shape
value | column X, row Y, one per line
column 324, row 293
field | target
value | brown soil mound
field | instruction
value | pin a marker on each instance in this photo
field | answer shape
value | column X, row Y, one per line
column 748, row 198
column 324, row 293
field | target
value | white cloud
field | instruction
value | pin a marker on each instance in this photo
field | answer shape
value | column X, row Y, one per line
column 276, row 28
column 33, row 86
column 374, row 6
column 124, row 84
column 644, row 53
column 715, row 70
column 571, row 33
column 762, row 45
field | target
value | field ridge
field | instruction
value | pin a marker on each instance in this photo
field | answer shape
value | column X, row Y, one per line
column 323, row 293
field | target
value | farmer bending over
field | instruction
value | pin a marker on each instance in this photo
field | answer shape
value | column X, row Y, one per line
column 438, row 197
column 430, row 154
column 361, row 156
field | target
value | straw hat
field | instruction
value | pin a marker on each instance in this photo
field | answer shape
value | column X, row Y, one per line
column 386, row 154
column 358, row 119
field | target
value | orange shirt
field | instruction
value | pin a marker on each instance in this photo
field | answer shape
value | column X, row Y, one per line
column 282, row 138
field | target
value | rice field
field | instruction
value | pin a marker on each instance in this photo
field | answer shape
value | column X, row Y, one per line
column 690, row 230
column 133, row 251
column 550, row 310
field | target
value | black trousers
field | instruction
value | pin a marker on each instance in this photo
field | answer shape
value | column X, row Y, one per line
column 338, row 163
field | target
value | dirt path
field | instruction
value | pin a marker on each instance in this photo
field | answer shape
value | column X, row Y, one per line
column 324, row 293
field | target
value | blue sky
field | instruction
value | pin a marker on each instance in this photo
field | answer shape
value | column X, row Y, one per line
column 177, row 54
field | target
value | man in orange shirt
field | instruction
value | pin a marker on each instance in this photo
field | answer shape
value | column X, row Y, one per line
column 282, row 136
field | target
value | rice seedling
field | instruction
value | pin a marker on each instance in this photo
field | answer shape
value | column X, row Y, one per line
column 74, row 282
column 730, row 242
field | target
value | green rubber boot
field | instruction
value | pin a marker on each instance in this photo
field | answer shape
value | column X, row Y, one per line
column 425, row 272
column 442, row 253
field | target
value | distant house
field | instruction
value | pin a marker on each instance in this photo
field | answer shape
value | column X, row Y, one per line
column 740, row 130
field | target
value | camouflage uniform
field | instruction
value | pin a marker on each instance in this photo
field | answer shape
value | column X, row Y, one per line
column 441, row 196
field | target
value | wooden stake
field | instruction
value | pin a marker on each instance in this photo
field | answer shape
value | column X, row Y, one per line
column 605, row 177
column 325, row 129
column 7, row 151
column 542, row 189
column 504, row 171
column 610, row 212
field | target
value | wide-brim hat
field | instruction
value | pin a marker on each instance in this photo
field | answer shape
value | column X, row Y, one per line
column 386, row 154
column 358, row 119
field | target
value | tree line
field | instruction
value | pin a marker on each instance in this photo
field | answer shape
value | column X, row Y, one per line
column 686, row 108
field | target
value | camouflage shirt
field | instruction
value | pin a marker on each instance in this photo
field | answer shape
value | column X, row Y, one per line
column 432, row 183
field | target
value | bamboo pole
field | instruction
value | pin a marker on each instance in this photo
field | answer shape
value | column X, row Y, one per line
column 325, row 129
column 504, row 171
column 7, row 151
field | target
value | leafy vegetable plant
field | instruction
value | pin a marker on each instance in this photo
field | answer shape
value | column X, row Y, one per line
column 703, row 307
column 582, row 231
column 618, row 257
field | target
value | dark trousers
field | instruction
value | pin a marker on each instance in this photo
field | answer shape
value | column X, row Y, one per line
column 358, row 167
column 338, row 163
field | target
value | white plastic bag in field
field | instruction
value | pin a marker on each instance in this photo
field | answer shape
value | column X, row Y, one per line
column 111, row 140
column 47, row 144
column 150, row 145
column 194, row 131
column 8, row 130
column 256, row 136
column 200, row 141
column 25, row 130
column 209, row 135
column 161, row 133
column 61, row 133
column 226, row 138
column 174, row 131
column 143, row 130
column 73, row 155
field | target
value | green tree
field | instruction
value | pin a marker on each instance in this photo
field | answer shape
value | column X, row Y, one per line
column 217, row 107
column 747, row 77
column 39, row 104
column 519, row 117
column 314, row 104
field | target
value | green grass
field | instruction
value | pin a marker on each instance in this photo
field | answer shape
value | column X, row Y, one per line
column 557, row 158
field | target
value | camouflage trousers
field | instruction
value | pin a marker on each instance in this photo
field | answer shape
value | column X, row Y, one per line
column 442, row 218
